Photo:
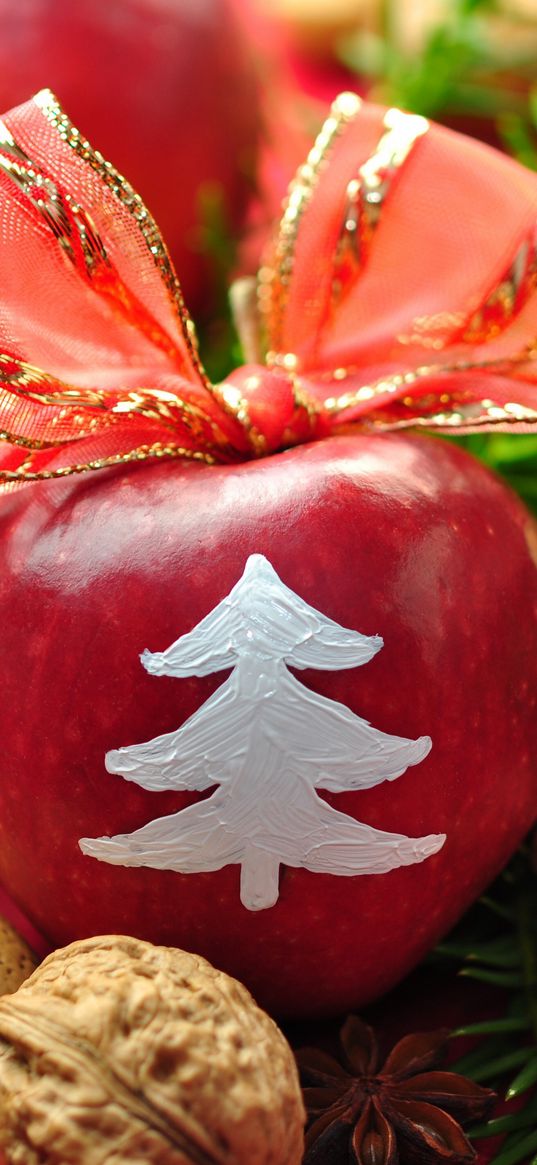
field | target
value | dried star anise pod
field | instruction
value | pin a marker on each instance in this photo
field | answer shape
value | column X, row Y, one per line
column 407, row 1110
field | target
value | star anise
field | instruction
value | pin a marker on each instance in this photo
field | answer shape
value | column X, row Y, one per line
column 407, row 1110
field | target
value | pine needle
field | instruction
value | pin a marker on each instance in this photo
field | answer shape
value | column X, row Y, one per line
column 497, row 943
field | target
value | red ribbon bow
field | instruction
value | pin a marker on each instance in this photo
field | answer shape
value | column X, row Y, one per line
column 400, row 291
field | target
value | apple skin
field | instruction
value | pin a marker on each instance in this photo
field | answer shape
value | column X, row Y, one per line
column 403, row 536
column 165, row 88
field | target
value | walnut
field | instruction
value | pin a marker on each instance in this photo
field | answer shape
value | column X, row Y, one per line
column 118, row 1051
column 16, row 958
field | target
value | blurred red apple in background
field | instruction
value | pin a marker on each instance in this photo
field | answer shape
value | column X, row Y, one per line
column 164, row 87
column 300, row 40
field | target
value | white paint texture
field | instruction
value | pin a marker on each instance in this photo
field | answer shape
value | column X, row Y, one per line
column 268, row 743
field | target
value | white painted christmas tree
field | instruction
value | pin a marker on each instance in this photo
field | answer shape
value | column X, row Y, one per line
column 268, row 743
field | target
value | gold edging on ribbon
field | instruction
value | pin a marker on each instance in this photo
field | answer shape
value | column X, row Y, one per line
column 142, row 453
column 509, row 295
column 367, row 194
column 125, row 193
column 392, row 383
column 234, row 403
column 475, row 414
column 489, row 317
column 465, row 418
column 152, row 403
column 274, row 281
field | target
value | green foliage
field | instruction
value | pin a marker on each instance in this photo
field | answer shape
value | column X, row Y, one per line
column 496, row 943
column 517, row 132
column 513, row 456
column 455, row 73
column 219, row 344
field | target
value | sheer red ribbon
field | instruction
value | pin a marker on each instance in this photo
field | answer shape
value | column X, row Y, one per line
column 400, row 290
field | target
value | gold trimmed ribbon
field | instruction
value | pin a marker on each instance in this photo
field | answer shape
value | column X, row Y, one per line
column 399, row 291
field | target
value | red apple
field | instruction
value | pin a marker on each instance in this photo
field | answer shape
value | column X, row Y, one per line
column 402, row 536
column 163, row 87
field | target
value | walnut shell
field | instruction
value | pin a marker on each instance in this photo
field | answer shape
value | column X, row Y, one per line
column 121, row 1052
column 16, row 959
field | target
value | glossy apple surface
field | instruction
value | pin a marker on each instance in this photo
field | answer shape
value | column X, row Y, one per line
column 405, row 537
column 165, row 88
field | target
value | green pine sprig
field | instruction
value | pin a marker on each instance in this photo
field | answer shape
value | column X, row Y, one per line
column 455, row 72
column 496, row 943
column 513, row 456
column 215, row 240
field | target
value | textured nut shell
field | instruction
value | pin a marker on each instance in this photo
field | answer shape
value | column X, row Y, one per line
column 117, row 1051
column 16, row 959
